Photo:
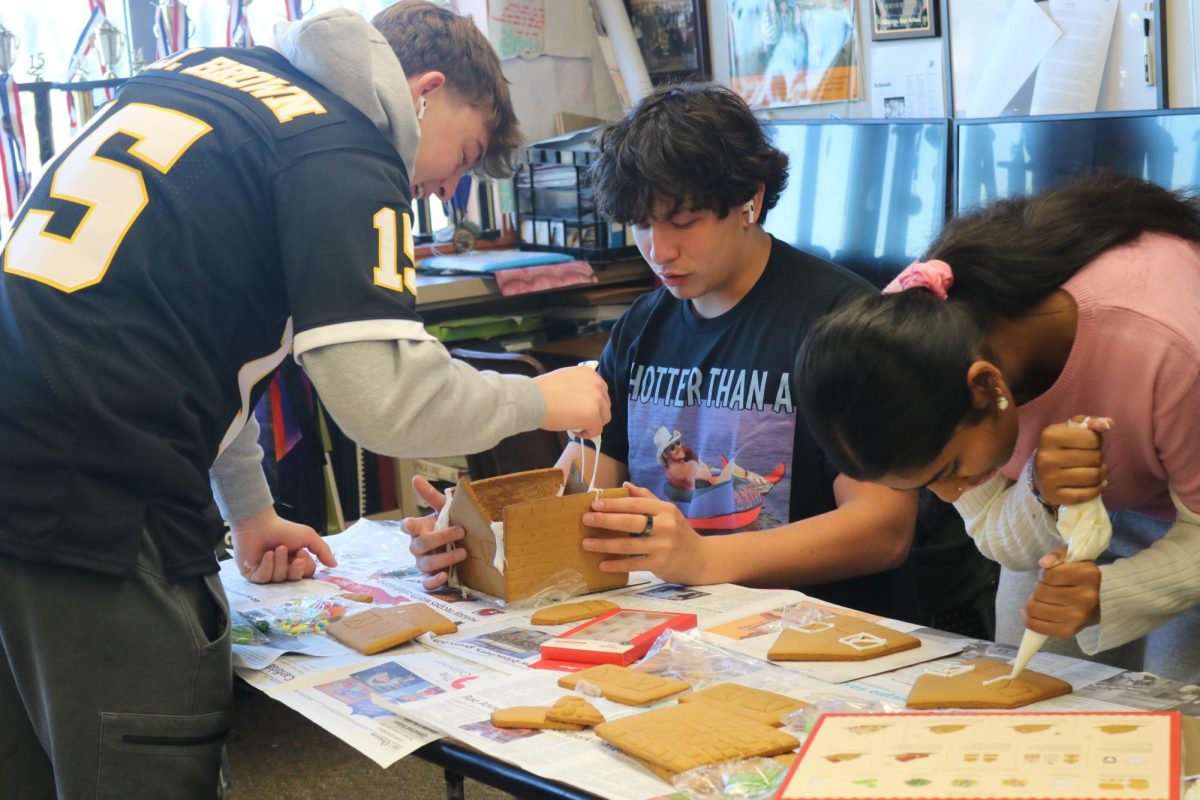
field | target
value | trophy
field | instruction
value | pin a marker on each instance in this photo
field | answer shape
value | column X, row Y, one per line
column 111, row 44
column 8, row 49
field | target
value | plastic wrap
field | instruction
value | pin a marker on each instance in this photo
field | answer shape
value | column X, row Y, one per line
column 247, row 631
column 686, row 655
column 800, row 615
column 561, row 586
column 800, row 723
column 299, row 617
column 382, row 553
column 744, row 779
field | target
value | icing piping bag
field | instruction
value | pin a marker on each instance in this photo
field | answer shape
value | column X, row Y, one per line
column 1086, row 529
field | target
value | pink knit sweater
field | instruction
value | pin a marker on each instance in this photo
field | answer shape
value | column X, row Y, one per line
column 1136, row 358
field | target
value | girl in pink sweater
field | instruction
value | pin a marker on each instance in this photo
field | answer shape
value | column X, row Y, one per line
column 1084, row 300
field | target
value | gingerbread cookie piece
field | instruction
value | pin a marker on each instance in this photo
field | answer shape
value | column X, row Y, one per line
column 839, row 638
column 574, row 711
column 529, row 717
column 971, row 685
column 379, row 629
column 624, row 685
column 766, row 707
column 672, row 740
column 563, row 613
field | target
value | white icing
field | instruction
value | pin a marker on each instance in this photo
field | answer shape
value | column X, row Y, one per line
column 443, row 517
column 595, row 440
column 499, row 562
column 863, row 641
column 443, row 521
column 950, row 670
column 997, row 679
column 813, row 627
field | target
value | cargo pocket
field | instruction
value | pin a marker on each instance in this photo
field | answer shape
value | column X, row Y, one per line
column 157, row 756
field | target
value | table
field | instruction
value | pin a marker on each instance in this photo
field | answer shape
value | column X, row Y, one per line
column 434, row 698
column 461, row 762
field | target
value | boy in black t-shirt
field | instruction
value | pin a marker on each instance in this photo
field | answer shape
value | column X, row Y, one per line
column 703, row 421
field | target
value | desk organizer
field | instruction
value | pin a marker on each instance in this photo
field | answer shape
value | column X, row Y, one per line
column 556, row 209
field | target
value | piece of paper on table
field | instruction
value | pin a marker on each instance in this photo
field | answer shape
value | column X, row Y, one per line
column 1027, row 36
column 1068, row 80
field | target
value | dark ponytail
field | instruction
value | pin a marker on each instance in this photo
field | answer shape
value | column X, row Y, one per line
column 1008, row 256
column 882, row 382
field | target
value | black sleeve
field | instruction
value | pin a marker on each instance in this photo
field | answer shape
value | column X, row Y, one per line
column 340, row 214
column 614, row 368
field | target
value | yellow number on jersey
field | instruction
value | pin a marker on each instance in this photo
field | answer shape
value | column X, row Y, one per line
column 115, row 195
column 387, row 274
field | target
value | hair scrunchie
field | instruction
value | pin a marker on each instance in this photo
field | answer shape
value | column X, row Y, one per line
column 935, row 275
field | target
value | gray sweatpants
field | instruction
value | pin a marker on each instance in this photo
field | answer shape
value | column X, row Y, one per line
column 1171, row 651
column 111, row 688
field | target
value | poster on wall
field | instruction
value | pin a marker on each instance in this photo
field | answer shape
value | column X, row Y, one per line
column 792, row 52
column 672, row 37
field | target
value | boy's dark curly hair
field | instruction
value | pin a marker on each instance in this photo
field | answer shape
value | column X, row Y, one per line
column 690, row 147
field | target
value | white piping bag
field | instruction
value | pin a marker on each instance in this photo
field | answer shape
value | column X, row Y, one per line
column 1087, row 530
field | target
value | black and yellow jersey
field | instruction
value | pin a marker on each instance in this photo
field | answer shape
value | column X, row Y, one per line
column 223, row 205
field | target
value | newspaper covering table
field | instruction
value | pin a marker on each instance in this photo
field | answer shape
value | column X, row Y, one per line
column 388, row 705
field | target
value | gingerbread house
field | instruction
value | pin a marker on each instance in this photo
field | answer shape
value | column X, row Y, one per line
column 523, row 532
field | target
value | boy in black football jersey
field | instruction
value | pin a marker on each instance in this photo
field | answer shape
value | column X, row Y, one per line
column 229, row 207
column 699, row 373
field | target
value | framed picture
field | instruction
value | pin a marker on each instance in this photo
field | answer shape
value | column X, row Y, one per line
column 903, row 19
column 793, row 52
column 673, row 37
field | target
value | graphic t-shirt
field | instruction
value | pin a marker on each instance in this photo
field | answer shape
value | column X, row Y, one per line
column 703, row 415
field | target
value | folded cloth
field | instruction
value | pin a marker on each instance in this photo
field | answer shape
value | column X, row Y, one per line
column 489, row 261
column 523, row 280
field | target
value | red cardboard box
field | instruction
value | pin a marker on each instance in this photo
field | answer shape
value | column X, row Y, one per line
column 618, row 637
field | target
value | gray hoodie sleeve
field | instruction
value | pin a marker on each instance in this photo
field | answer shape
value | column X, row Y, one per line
column 238, row 483
column 410, row 398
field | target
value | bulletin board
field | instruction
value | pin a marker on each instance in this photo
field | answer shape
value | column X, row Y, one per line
column 973, row 30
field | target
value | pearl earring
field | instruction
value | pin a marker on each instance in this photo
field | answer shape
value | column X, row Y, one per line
column 1001, row 400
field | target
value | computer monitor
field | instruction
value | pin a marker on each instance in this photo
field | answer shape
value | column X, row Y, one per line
column 867, row 194
column 1022, row 155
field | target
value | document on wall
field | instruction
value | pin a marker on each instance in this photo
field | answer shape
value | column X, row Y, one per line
column 906, row 79
column 518, row 27
column 1068, row 80
column 1027, row 36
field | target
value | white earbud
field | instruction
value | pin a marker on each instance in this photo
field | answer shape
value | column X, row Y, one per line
column 749, row 207
column 424, row 104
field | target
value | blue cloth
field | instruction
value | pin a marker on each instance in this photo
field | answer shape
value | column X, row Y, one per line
column 485, row 261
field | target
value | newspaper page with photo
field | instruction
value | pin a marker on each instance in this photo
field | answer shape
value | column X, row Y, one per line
column 362, row 700
column 375, row 568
